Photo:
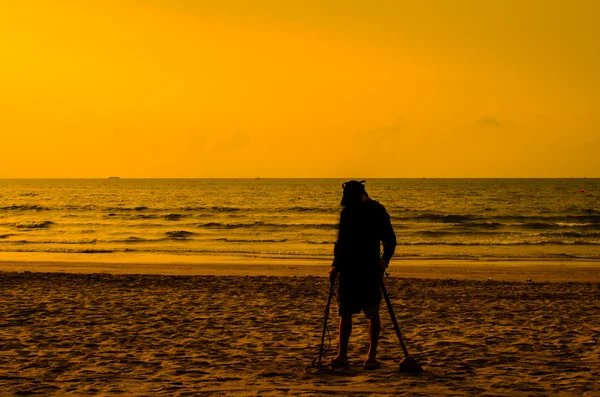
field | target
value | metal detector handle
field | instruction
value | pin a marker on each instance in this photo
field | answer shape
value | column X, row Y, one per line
column 326, row 315
column 396, row 327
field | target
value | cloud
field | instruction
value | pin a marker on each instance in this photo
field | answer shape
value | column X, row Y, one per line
column 488, row 122
column 493, row 122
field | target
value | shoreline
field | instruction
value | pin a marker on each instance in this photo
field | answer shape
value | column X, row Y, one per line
column 481, row 269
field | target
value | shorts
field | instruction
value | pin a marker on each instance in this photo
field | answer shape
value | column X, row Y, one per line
column 370, row 310
column 359, row 294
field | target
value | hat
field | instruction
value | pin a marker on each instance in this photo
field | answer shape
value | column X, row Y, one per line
column 353, row 191
column 353, row 186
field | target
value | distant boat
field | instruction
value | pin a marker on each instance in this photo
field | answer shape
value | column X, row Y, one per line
column 114, row 177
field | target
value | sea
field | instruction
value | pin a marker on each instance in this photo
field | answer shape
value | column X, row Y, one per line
column 287, row 219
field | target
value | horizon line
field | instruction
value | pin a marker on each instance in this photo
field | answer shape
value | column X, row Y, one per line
column 307, row 177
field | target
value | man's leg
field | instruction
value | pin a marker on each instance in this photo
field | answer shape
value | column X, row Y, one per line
column 345, row 331
column 374, row 331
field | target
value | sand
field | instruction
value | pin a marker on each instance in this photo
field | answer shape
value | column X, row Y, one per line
column 156, row 335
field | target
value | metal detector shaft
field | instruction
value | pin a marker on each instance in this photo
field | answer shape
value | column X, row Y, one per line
column 396, row 327
column 325, row 317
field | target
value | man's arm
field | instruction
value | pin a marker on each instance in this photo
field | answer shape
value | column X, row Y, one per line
column 338, row 249
column 340, row 245
column 388, row 237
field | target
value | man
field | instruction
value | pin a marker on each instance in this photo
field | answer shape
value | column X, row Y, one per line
column 364, row 224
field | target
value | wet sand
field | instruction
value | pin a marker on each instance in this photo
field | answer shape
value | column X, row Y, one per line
column 186, row 335
column 229, row 265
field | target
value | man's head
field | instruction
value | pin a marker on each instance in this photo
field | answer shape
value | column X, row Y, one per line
column 354, row 193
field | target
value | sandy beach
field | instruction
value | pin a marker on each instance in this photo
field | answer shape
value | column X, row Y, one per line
column 185, row 335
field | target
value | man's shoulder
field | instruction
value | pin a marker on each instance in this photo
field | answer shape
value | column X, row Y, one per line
column 370, row 206
column 376, row 205
column 378, row 210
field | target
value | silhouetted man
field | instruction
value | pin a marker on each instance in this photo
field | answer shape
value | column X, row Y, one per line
column 364, row 224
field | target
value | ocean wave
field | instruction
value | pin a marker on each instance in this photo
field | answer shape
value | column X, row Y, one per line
column 497, row 219
column 471, row 233
column 486, row 225
column 200, row 209
column 566, row 218
column 452, row 218
column 65, row 250
column 498, row 243
column 118, row 208
column 37, row 207
column 260, row 209
column 191, row 208
column 495, row 256
column 133, row 239
column 571, row 234
column 144, row 216
column 34, row 225
column 24, row 207
column 127, row 223
column 79, row 207
column 284, row 255
column 173, row 217
column 538, row 225
column 442, row 218
column 128, row 240
column 559, row 225
column 457, row 218
column 220, row 225
column 145, row 225
column 574, row 214
column 126, row 209
column 179, row 234
column 308, row 209
column 593, row 226
column 224, row 209
column 5, row 235
column 241, row 240
column 209, row 208
column 131, row 217
column 182, row 235
column 84, row 241
column 587, row 210
column 87, row 251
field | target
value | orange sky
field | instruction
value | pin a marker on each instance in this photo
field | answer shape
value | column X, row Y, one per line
column 194, row 88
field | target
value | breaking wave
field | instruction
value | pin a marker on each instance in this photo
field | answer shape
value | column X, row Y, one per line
column 283, row 254
column 220, row 225
column 24, row 207
column 179, row 234
column 34, row 225
column 241, row 240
